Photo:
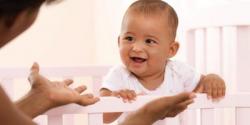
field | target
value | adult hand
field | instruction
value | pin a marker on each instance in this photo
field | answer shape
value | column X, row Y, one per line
column 58, row 92
column 160, row 108
column 46, row 94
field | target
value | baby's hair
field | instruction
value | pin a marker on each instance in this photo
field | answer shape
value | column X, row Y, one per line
column 9, row 9
column 151, row 7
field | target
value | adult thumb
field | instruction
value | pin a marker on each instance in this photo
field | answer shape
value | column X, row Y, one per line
column 34, row 68
column 34, row 71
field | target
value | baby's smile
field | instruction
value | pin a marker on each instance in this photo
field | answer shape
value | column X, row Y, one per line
column 138, row 59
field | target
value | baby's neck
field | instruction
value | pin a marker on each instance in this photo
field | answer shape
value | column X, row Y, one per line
column 152, row 82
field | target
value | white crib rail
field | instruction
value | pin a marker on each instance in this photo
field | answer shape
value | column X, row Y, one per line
column 238, row 101
column 228, row 14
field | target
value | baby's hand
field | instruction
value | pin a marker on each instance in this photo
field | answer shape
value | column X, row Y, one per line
column 213, row 85
column 125, row 94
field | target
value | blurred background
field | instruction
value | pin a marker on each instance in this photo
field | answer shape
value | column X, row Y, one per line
column 213, row 34
column 85, row 32
column 78, row 32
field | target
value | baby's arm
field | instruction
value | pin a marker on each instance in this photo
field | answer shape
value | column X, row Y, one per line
column 126, row 95
column 211, row 84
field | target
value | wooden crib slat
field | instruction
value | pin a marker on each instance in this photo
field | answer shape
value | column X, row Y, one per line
column 229, row 57
column 211, row 116
column 243, row 58
column 95, row 119
column 68, row 119
column 200, row 50
column 201, row 17
column 190, row 117
column 96, row 84
column 55, row 115
column 190, row 42
column 242, row 116
column 213, row 50
column 208, row 117
column 55, row 119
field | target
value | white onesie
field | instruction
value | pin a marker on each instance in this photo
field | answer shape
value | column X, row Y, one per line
column 179, row 77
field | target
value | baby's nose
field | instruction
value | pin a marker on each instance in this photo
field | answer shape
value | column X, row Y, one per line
column 137, row 47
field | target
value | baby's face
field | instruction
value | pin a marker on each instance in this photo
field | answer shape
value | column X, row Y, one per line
column 144, row 44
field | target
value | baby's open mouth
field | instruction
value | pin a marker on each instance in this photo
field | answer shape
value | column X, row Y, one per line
column 138, row 59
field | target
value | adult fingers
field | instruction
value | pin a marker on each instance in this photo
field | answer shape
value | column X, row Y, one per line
column 88, row 99
column 34, row 72
column 185, row 104
column 68, row 82
column 34, row 68
column 183, row 97
column 80, row 89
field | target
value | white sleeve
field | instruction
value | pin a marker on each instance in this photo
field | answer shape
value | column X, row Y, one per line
column 190, row 77
column 113, row 80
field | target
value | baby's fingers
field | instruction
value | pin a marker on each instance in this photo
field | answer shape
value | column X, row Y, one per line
column 127, row 95
column 115, row 94
column 208, row 90
column 215, row 89
column 123, row 94
column 131, row 95
column 221, row 91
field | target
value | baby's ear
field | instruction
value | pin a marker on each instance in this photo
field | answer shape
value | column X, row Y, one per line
column 174, row 47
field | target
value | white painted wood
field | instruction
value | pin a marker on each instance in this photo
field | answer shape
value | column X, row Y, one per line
column 208, row 116
column 215, row 16
column 95, row 119
column 242, row 116
column 96, row 84
column 56, row 71
column 213, row 50
column 243, row 58
column 58, row 115
column 55, row 119
column 190, row 44
column 68, row 119
column 229, row 57
column 230, row 101
column 190, row 117
column 200, row 50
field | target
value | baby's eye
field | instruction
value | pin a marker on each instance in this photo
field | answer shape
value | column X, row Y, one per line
column 129, row 38
column 150, row 41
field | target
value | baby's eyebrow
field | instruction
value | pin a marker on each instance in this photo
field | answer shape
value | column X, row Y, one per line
column 129, row 33
column 152, row 36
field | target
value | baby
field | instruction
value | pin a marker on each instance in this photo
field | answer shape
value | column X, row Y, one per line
column 146, row 44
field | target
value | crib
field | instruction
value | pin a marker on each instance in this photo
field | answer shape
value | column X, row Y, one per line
column 217, row 40
column 202, row 112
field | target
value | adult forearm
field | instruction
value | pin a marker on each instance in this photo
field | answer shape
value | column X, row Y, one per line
column 33, row 104
column 9, row 114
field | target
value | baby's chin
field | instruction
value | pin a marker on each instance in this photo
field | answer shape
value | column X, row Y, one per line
column 137, row 71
